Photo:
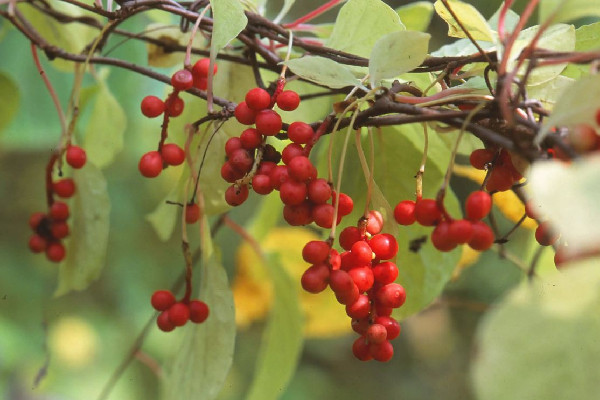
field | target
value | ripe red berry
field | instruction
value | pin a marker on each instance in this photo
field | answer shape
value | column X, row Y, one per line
column 301, row 169
column 300, row 132
column 315, row 278
column 349, row 236
column 374, row 222
column 64, row 188
column 229, row 173
column 192, row 213
column 376, row 334
column 441, row 238
column 258, row 99
column 349, row 296
column 35, row 219
column 182, row 80
column 482, row 238
column 201, row 67
column 298, row 215
column 427, row 212
column 236, row 195
column 382, row 352
column 292, row 192
column 75, row 156
column 152, row 106
column 59, row 229
column 404, row 212
column 200, row 82
column 391, row 325
column 288, row 100
column 37, row 244
column 198, row 311
column 241, row 160
column 290, row 152
column 174, row 106
column 315, row 252
column 164, row 323
column 460, row 230
column 361, row 349
column 362, row 277
column 59, row 211
column 262, row 184
column 268, row 122
column 346, row 203
column 478, row 205
column 278, row 175
column 266, row 167
column 385, row 272
column 360, row 308
column 244, row 114
column 179, row 313
column 362, row 252
column 319, row 191
column 250, row 139
column 162, row 300
column 322, row 214
column 232, row 144
column 545, row 235
column 172, row 154
column 391, row 295
column 360, row 326
column 481, row 157
column 340, row 281
column 384, row 246
column 55, row 251
column 151, row 164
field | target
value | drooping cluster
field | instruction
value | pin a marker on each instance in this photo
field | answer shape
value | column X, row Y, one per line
column 177, row 313
column 153, row 162
column 448, row 232
column 51, row 228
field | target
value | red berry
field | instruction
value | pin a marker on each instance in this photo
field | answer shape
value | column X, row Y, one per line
column 340, row 281
column 182, row 80
column 441, row 238
column 152, row 106
column 200, row 82
column 36, row 219
column 348, row 296
column 349, row 236
column 151, row 164
column 59, row 211
column 478, row 205
column 201, row 67
column 391, row 295
column 384, row 246
column 232, row 144
column 236, row 195
column 198, row 311
column 244, row 114
column 382, row 352
column 322, row 214
column 162, row 300
column 361, row 349
column 75, row 156
column 500, row 180
column 192, row 213
column 241, row 160
column 298, row 215
column 268, row 122
column 250, row 139
column 300, row 132
column 360, row 308
column 545, row 235
column 258, row 99
column 179, row 314
column 319, row 191
column 262, row 184
column 360, row 326
column 316, row 251
column 427, row 212
column 376, row 334
column 172, row 154
column 346, row 203
column 229, row 173
column 292, row 192
column 174, row 106
column 164, row 323
column 374, row 222
column 59, row 229
column 315, row 278
column 404, row 212
column 278, row 175
column 301, row 169
column 460, row 230
column 481, row 157
column 55, row 251
column 363, row 278
column 362, row 252
column 64, row 188
column 290, row 152
column 37, row 244
column 266, row 167
column 288, row 100
column 391, row 325
column 385, row 272
column 482, row 238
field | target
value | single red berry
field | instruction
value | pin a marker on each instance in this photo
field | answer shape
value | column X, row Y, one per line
column 262, row 184
column 348, row 261
column 441, row 237
column 460, row 230
column 37, row 244
column 258, row 99
column 478, row 205
column 174, row 106
column 545, row 235
column 385, row 272
column 266, row 167
column 391, row 325
column 198, row 311
column 363, row 278
column 236, row 195
column 376, row 334
column 500, row 180
column 335, row 261
column 59, row 229
column 172, row 154
column 382, row 310
column 182, row 80
column 340, row 281
column 290, row 152
column 349, row 236
column 292, row 192
column 361, row 325
column 346, row 203
column 232, row 144
column 315, row 278
column 316, row 251
column 164, row 323
column 64, row 188
column 322, row 214
column 192, row 213
column 179, row 313
column 298, row 215
column 162, row 300
column 59, row 211
column 481, row 157
column 360, row 308
column 152, row 106
column 404, row 212
column 300, row 132
column 229, row 173
column 151, row 164
column 278, row 175
column 348, row 296
column 288, row 100
column 381, row 352
column 374, row 222
column 250, row 139
column 200, row 82
column 36, row 219
column 268, row 122
column 384, row 246
column 362, row 252
column 201, row 67
column 241, row 160
column 55, row 251
column 75, row 156
column 301, row 169
column 319, row 191
column 482, row 238
column 391, row 295
column 427, row 212
column 244, row 114
column 360, row 349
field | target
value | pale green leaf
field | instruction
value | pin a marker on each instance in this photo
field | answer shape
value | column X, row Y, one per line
column 511, row 19
column 573, row 210
column 416, row 16
column 205, row 354
column 468, row 16
column 568, row 10
column 229, row 20
column 397, row 53
column 282, row 340
column 576, row 104
column 9, row 100
column 462, row 47
column 287, row 4
column 541, row 341
column 360, row 23
column 323, row 71
column 168, row 33
column 587, row 37
column 164, row 217
column 103, row 133
column 89, row 222
column 549, row 92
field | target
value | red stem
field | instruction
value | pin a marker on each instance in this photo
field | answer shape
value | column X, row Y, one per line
column 320, row 131
column 49, row 188
column 313, row 14
column 502, row 19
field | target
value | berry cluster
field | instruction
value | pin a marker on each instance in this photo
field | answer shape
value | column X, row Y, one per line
column 177, row 313
column 449, row 232
column 362, row 278
column 51, row 227
column 502, row 173
column 153, row 162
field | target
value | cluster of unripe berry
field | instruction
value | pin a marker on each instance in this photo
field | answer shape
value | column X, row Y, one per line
column 177, row 313
column 153, row 162
column 449, row 232
column 362, row 278
column 51, row 227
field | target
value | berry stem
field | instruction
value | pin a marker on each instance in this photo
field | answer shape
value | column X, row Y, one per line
column 421, row 171
column 188, row 51
column 368, row 172
column 320, row 132
column 49, row 187
column 313, row 14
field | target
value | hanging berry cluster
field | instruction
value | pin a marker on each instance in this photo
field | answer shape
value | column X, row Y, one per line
column 169, row 154
column 51, row 227
column 177, row 313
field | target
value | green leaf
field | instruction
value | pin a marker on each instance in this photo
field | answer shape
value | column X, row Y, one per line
column 229, row 20
column 573, row 208
column 577, row 104
column 103, row 134
column 549, row 92
column 323, row 71
column 568, row 10
column 416, row 16
column 541, row 341
column 469, row 17
column 282, row 340
column 587, row 37
column 205, row 353
column 164, row 217
column 9, row 100
column 360, row 23
column 397, row 53
column 86, row 248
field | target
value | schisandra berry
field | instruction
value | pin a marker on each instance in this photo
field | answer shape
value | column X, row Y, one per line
column 59, row 229
column 182, row 80
column 460, row 230
column 201, row 67
column 236, row 195
column 162, row 300
column 385, row 272
column 35, row 219
column 319, row 191
column 164, row 323
column 404, row 212
column 360, row 308
column 301, row 169
column 362, row 277
column 290, row 152
column 262, row 184
column 198, row 311
column 278, row 176
column 288, row 100
column 37, row 243
column 229, row 173
column 391, row 325
column 300, row 132
column 349, row 236
column 346, row 203
column 244, row 114
column 362, row 252
column 391, row 295
column 315, row 251
column 478, row 205
column 427, row 212
column 241, row 160
column 268, row 122
column 64, row 188
column 192, row 213
column 441, row 238
column 298, row 215
column 179, row 314
column 315, row 278
column 361, row 349
column 151, row 164
column 384, row 246
column 481, row 157
column 292, row 192
column 482, row 238
column 152, row 106
column 348, row 297
column 545, row 235
column 55, row 251
column 258, row 99
column 250, row 139
column 322, row 214
column 341, row 281
column 232, row 144
column 374, row 222
column 75, row 156
column 376, row 334
column 174, row 106
column 172, row 154
column 382, row 352
column 59, row 211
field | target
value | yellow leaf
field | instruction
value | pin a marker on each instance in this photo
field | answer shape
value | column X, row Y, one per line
column 252, row 292
column 172, row 35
